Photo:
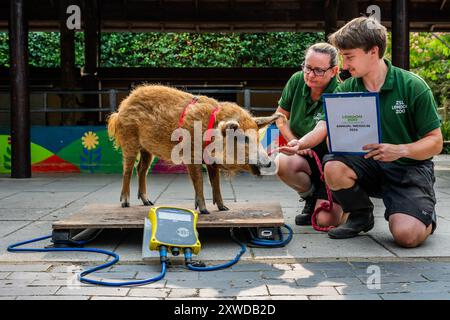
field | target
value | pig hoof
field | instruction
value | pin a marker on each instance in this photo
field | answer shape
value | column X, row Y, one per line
column 205, row 211
column 147, row 202
column 223, row 208
column 125, row 204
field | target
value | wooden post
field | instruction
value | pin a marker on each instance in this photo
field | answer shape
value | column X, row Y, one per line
column 400, row 34
column 20, row 96
column 330, row 12
column 68, row 71
column 90, row 55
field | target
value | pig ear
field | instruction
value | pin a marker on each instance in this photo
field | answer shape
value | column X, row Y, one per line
column 264, row 121
column 228, row 124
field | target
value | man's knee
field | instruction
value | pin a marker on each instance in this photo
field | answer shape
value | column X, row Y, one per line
column 338, row 175
column 407, row 237
column 408, row 233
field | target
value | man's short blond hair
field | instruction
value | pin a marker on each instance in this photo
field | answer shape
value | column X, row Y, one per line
column 363, row 33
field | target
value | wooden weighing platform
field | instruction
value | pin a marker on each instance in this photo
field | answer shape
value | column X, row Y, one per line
column 113, row 216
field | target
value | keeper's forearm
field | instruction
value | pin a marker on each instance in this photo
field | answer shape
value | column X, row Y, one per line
column 287, row 133
column 314, row 137
column 425, row 148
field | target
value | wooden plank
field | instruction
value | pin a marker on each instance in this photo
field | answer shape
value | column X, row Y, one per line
column 112, row 216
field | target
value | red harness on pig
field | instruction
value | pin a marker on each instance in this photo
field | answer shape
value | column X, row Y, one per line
column 212, row 119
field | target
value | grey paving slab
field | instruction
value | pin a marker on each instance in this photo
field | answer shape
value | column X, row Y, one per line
column 183, row 293
column 237, row 276
column 26, row 214
column 28, row 291
column 92, row 291
column 386, row 278
column 437, row 245
column 301, row 291
column 154, row 293
column 123, row 298
column 9, row 227
column 40, row 200
column 65, row 194
column 288, row 274
column 217, row 283
column 3, row 275
column 33, row 230
column 53, row 298
column 416, row 296
column 364, row 289
column 348, row 297
column 250, row 267
column 296, row 298
column 321, row 246
column 5, row 194
column 107, row 240
column 234, row 292
column 334, row 282
column 11, row 185
column 36, row 267
column 70, row 186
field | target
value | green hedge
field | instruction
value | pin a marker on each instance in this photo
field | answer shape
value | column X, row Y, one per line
column 272, row 49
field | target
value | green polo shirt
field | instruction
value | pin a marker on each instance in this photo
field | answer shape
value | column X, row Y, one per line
column 304, row 112
column 407, row 107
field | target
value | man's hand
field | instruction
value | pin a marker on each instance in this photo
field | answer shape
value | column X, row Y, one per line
column 385, row 152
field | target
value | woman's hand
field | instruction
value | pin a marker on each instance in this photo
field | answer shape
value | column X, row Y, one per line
column 291, row 148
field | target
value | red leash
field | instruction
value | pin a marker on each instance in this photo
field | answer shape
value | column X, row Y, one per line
column 326, row 205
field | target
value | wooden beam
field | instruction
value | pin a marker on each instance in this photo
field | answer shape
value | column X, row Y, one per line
column 20, row 97
column 400, row 34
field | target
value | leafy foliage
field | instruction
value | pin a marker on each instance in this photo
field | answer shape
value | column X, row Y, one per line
column 445, row 129
column 124, row 49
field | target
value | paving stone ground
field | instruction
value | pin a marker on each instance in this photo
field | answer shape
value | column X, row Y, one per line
column 311, row 267
column 249, row 281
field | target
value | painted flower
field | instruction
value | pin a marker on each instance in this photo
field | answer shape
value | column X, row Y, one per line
column 89, row 140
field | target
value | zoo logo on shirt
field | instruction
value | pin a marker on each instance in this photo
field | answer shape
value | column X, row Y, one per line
column 318, row 117
column 399, row 107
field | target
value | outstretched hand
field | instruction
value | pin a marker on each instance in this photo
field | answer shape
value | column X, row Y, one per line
column 294, row 147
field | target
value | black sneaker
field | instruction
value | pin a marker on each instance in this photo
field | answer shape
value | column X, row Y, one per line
column 304, row 218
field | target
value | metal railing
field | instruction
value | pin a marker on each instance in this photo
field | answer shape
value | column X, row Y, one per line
column 112, row 98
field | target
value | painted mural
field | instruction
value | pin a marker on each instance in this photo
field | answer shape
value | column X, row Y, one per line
column 89, row 150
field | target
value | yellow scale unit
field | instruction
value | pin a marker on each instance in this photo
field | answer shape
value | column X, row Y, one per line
column 174, row 228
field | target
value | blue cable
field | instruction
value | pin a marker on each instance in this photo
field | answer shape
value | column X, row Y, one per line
column 163, row 257
column 188, row 257
column 274, row 243
column 163, row 254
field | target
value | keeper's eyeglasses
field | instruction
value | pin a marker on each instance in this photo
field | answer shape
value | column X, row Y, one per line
column 317, row 71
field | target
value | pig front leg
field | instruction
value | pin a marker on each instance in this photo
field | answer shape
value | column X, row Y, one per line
column 214, row 178
column 195, row 172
